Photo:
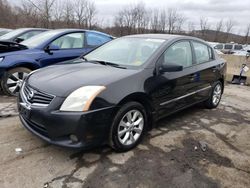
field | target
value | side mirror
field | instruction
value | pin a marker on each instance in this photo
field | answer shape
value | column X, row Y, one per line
column 248, row 51
column 51, row 47
column 18, row 40
column 170, row 68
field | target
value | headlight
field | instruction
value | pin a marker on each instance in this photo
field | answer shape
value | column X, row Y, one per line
column 1, row 59
column 81, row 99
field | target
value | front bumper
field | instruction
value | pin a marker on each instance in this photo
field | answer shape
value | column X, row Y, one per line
column 91, row 128
column 2, row 72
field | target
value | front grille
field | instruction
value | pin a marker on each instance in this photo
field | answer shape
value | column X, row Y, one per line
column 36, row 97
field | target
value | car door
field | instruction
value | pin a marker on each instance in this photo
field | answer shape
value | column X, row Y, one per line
column 174, row 90
column 66, row 47
column 207, row 68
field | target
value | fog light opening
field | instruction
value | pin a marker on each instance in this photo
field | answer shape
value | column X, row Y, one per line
column 73, row 138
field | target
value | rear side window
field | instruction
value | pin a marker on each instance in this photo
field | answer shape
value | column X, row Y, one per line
column 238, row 47
column 203, row 53
column 228, row 46
column 94, row 39
column 179, row 53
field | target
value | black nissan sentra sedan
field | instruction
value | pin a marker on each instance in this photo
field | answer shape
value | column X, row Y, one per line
column 114, row 94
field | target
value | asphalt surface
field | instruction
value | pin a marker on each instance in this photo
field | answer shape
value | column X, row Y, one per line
column 171, row 155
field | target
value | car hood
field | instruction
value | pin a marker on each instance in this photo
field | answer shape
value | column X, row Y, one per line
column 9, row 46
column 61, row 80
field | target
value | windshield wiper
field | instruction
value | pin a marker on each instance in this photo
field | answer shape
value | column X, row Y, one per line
column 106, row 63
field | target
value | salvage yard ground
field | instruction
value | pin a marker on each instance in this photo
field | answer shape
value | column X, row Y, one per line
column 170, row 155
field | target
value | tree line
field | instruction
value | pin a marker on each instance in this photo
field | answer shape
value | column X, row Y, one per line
column 131, row 19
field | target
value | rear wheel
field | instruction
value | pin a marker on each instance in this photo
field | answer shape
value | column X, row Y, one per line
column 215, row 96
column 13, row 79
column 128, row 127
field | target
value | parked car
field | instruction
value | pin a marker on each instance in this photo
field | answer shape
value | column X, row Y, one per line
column 43, row 50
column 10, row 41
column 229, row 48
column 4, row 31
column 115, row 93
column 19, row 35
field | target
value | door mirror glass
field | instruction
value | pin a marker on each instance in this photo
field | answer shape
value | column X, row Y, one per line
column 170, row 67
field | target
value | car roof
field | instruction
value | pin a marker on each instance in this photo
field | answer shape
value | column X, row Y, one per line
column 27, row 29
column 163, row 36
column 75, row 30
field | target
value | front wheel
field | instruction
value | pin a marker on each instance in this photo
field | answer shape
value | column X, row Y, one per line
column 215, row 96
column 128, row 127
column 13, row 79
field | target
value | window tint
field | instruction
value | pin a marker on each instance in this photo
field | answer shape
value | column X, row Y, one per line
column 29, row 34
column 219, row 46
column 70, row 41
column 238, row 47
column 179, row 53
column 94, row 39
column 202, row 53
column 228, row 46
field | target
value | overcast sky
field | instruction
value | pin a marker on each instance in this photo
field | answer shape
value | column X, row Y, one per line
column 238, row 10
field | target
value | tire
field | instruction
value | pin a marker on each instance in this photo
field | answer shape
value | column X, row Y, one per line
column 131, row 131
column 13, row 79
column 215, row 96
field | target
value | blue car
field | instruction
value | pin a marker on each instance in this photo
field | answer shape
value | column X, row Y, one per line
column 46, row 49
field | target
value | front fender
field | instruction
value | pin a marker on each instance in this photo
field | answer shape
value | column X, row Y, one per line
column 10, row 62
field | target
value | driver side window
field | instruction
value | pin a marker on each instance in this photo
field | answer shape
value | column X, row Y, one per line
column 179, row 53
column 70, row 41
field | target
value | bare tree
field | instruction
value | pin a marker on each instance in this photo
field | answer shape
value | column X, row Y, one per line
column 163, row 21
column 58, row 13
column 180, row 22
column 172, row 18
column 191, row 27
column 218, row 29
column 204, row 26
column 80, row 8
column 229, row 27
column 5, row 13
column 154, row 21
column 68, row 14
column 45, row 8
column 91, row 12
column 247, row 33
column 27, row 16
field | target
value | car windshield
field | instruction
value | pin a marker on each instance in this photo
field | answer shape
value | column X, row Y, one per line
column 12, row 34
column 128, row 51
column 40, row 38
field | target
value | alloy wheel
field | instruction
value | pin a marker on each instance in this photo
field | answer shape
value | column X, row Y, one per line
column 15, row 81
column 217, row 94
column 130, row 127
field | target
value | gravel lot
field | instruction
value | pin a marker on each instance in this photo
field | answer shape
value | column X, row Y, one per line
column 170, row 155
